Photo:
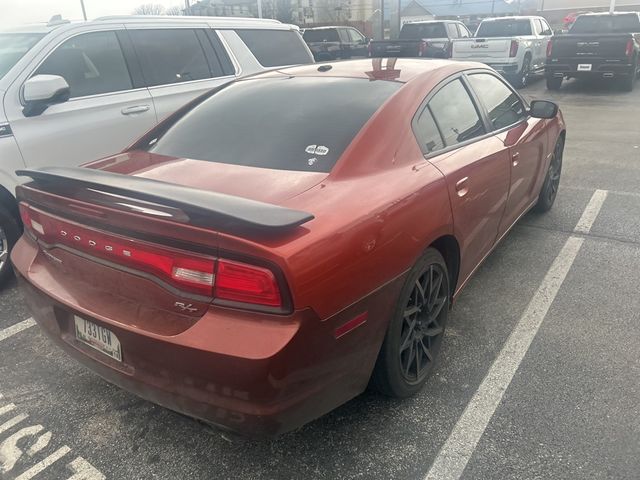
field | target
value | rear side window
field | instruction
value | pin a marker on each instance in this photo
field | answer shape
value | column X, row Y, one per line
column 297, row 123
column 322, row 35
column 455, row 114
column 503, row 105
column 91, row 63
column 273, row 48
column 427, row 132
column 606, row 24
column 417, row 31
column 504, row 28
column 170, row 56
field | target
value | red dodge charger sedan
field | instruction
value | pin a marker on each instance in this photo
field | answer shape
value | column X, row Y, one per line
column 282, row 242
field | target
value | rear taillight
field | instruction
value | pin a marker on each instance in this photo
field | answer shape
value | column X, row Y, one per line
column 189, row 272
column 422, row 48
column 240, row 282
column 629, row 50
column 549, row 48
column 513, row 49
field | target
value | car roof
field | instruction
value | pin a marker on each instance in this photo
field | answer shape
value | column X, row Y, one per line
column 602, row 14
column 513, row 17
column 392, row 69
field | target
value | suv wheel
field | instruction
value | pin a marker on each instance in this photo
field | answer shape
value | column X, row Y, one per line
column 522, row 78
column 9, row 234
column 629, row 82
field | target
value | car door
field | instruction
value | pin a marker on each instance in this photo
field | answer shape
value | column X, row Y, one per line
column 525, row 139
column 178, row 64
column 454, row 137
column 358, row 43
column 108, row 107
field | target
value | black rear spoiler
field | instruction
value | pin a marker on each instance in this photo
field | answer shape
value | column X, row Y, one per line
column 209, row 209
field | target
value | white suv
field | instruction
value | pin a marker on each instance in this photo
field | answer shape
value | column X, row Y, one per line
column 75, row 92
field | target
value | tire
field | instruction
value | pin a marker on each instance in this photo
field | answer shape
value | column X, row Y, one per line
column 521, row 80
column 629, row 82
column 549, row 189
column 554, row 83
column 9, row 233
column 415, row 332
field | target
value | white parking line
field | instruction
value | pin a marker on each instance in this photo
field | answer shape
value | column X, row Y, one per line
column 17, row 328
column 454, row 455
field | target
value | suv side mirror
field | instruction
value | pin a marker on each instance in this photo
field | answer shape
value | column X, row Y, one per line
column 41, row 91
column 543, row 109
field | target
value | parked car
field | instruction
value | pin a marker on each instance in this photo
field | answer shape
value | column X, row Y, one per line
column 172, row 272
column 598, row 45
column 332, row 43
column 514, row 46
column 72, row 91
column 421, row 39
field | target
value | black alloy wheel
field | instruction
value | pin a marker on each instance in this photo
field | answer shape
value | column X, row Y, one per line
column 414, row 335
column 551, row 183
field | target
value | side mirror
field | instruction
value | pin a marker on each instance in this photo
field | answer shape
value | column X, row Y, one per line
column 543, row 109
column 41, row 91
column 366, row 40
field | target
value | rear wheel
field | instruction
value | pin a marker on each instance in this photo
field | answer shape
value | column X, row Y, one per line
column 629, row 82
column 551, row 183
column 554, row 83
column 521, row 80
column 9, row 234
column 415, row 332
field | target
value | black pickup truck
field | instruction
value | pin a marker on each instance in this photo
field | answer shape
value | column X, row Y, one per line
column 598, row 45
column 421, row 39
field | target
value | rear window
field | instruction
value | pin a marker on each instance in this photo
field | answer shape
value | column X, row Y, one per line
column 324, row 35
column 416, row 31
column 273, row 48
column 606, row 24
column 504, row 28
column 286, row 123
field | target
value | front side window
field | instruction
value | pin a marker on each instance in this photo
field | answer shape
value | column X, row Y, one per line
column 286, row 123
column 355, row 36
column 91, row 63
column 463, row 31
column 504, row 107
column 13, row 46
column 275, row 48
column 170, row 56
column 504, row 28
column 453, row 31
column 455, row 114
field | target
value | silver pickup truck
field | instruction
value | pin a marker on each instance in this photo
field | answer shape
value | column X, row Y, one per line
column 514, row 46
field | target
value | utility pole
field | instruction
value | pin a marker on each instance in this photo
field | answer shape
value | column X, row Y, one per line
column 381, row 19
column 612, row 6
column 259, row 8
column 84, row 12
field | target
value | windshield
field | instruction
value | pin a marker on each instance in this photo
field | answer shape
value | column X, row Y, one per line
column 13, row 46
column 288, row 123
column 606, row 24
column 416, row 31
column 504, row 28
column 323, row 35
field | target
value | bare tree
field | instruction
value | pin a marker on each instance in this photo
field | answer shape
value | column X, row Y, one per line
column 149, row 9
column 175, row 10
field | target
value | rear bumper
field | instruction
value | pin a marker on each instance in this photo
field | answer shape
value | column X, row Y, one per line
column 508, row 68
column 599, row 68
column 255, row 374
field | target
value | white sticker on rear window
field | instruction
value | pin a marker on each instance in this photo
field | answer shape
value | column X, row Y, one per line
column 316, row 149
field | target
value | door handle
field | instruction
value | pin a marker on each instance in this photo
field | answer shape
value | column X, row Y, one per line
column 515, row 158
column 135, row 109
column 461, row 187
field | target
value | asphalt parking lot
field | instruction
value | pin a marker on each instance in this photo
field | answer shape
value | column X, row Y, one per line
column 539, row 375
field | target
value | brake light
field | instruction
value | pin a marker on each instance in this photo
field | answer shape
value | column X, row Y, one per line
column 549, row 48
column 422, row 48
column 629, row 50
column 513, row 49
column 186, row 271
column 240, row 282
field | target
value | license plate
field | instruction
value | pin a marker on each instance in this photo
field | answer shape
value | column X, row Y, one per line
column 584, row 67
column 98, row 337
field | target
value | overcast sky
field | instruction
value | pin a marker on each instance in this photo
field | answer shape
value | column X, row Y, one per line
column 15, row 12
